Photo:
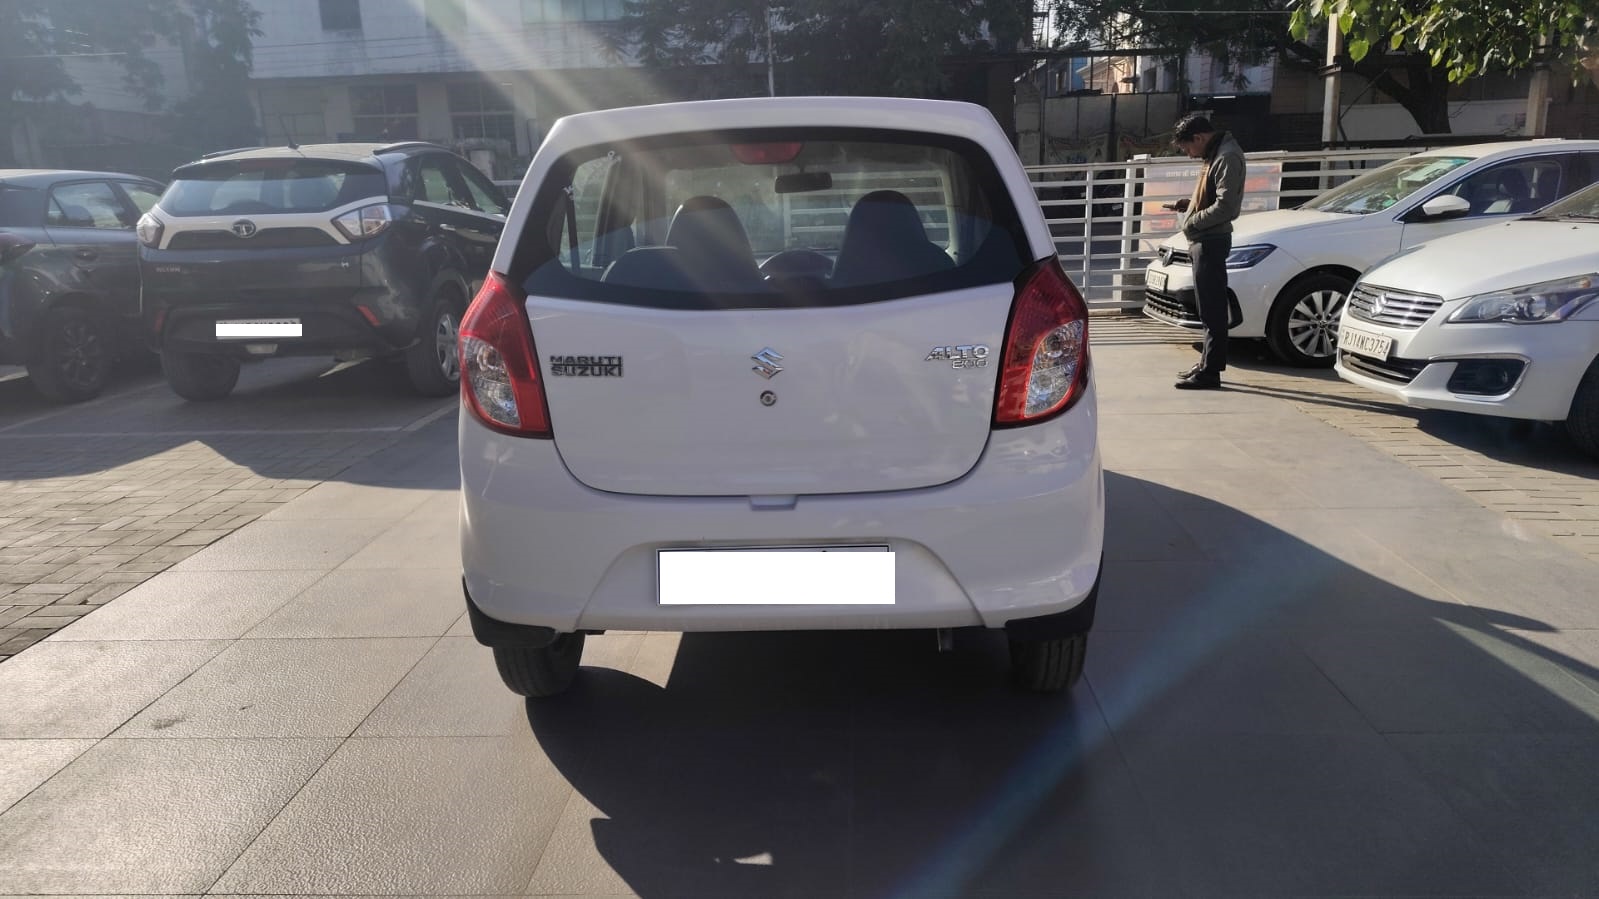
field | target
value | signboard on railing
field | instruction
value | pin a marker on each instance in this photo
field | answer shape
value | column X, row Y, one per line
column 1170, row 182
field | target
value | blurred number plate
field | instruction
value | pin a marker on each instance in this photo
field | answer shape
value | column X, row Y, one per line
column 259, row 327
column 1156, row 281
column 805, row 576
column 1361, row 343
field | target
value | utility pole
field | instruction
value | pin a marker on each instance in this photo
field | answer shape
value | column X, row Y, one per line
column 1538, row 93
column 771, row 76
column 1331, row 83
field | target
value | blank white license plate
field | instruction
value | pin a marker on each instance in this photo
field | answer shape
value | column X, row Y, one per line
column 259, row 327
column 1155, row 280
column 807, row 576
column 1364, row 343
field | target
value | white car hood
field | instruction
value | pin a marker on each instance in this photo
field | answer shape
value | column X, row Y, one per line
column 1498, row 257
column 1271, row 227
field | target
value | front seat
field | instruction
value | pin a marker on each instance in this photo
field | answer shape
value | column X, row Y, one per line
column 712, row 246
column 884, row 241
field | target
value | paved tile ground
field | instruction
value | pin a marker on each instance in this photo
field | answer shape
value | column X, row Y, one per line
column 1530, row 473
column 99, row 498
column 1362, row 683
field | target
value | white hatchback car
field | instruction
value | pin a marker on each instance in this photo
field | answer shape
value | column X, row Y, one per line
column 778, row 364
column 1290, row 270
column 1516, row 337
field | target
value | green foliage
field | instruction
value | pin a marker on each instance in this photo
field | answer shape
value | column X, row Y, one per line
column 890, row 47
column 218, row 114
column 1467, row 37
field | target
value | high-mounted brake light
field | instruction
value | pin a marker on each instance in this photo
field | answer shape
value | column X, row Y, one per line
column 767, row 154
column 1044, row 368
column 500, row 380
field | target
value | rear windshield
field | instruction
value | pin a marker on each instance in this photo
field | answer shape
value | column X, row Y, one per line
column 267, row 186
column 770, row 218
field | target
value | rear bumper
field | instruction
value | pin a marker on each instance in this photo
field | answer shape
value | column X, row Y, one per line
column 1019, row 537
column 369, row 296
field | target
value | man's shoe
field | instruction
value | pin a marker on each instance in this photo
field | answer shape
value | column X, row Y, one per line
column 1198, row 345
column 1200, row 381
column 1194, row 370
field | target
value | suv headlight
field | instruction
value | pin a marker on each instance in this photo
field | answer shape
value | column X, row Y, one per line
column 1551, row 301
column 1247, row 256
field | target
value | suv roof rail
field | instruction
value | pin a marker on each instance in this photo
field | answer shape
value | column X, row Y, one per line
column 227, row 152
column 405, row 145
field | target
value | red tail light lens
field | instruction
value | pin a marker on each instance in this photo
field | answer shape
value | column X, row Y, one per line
column 1044, row 369
column 500, row 380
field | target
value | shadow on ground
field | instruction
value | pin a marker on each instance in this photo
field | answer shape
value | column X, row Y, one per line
column 1277, row 723
column 288, row 418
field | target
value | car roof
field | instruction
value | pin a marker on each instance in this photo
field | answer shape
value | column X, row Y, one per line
column 1512, row 148
column 349, row 151
column 48, row 177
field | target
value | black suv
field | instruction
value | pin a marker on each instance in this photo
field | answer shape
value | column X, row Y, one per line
column 351, row 250
column 69, row 276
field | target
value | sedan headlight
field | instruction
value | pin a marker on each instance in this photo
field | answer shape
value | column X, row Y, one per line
column 1244, row 257
column 1551, row 301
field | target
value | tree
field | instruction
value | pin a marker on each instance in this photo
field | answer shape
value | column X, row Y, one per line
column 1467, row 39
column 36, row 36
column 889, row 47
column 218, row 113
column 1247, row 32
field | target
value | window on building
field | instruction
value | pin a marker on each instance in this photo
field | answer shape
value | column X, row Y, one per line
column 448, row 16
column 341, row 15
column 480, row 111
column 555, row 12
column 385, row 112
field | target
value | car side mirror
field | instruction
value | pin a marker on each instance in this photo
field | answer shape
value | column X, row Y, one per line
column 1445, row 207
column 12, row 248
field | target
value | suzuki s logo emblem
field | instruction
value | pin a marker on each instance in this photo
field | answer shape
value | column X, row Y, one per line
column 766, row 363
column 1377, row 300
column 244, row 228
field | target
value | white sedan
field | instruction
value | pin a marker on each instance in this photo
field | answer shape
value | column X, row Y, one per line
column 773, row 364
column 1290, row 270
column 1499, row 321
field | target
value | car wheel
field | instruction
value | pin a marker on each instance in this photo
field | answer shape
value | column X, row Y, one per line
column 433, row 364
column 542, row 671
column 1583, row 421
column 1048, row 666
column 73, row 358
column 200, row 376
column 1303, row 326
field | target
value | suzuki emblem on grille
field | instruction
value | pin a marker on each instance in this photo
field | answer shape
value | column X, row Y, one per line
column 766, row 363
column 244, row 228
column 1376, row 303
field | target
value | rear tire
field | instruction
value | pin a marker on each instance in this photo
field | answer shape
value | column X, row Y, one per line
column 200, row 376
column 1048, row 666
column 73, row 359
column 433, row 364
column 1583, row 421
column 1302, row 329
column 541, row 672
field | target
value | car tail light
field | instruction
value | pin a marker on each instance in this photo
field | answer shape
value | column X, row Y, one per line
column 499, row 367
column 368, row 221
column 1044, row 369
column 149, row 230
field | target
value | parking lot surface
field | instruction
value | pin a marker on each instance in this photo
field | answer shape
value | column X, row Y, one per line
column 1322, row 665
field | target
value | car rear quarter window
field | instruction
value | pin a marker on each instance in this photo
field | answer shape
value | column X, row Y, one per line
column 771, row 217
column 88, row 204
column 21, row 207
column 269, row 186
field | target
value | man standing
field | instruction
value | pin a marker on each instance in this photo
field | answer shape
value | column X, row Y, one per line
column 1208, row 225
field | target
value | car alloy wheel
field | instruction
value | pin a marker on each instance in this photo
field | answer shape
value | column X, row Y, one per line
column 80, row 354
column 446, row 344
column 1313, row 323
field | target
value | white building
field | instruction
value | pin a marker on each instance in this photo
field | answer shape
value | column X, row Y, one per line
column 473, row 74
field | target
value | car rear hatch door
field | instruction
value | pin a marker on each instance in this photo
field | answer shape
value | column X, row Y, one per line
column 893, row 395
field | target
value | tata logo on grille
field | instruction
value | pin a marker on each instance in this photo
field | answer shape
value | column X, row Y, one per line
column 766, row 363
column 244, row 228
